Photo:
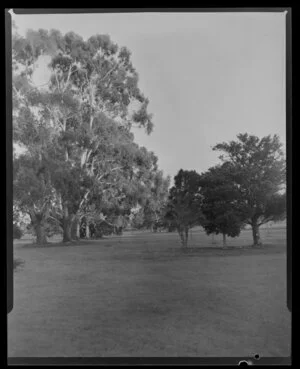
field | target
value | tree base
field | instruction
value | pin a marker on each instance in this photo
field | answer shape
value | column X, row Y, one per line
column 68, row 242
column 42, row 244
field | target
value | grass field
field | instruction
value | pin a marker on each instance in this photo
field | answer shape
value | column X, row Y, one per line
column 140, row 295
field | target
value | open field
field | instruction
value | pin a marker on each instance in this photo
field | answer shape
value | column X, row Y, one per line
column 140, row 295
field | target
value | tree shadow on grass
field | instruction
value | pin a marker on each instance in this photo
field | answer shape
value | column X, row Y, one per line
column 266, row 248
column 101, row 242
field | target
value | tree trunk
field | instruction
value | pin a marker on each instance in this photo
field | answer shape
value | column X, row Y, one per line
column 186, row 236
column 224, row 240
column 184, row 240
column 256, row 234
column 183, row 236
column 41, row 238
column 87, row 230
column 67, row 230
column 37, row 221
column 67, row 221
column 75, row 229
column 78, row 230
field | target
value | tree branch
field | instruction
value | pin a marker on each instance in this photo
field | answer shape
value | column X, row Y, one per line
column 107, row 173
column 84, row 198
column 68, row 77
column 109, row 72
column 57, row 81
column 57, row 220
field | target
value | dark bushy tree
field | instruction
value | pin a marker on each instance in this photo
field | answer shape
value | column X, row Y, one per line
column 221, row 203
column 183, row 210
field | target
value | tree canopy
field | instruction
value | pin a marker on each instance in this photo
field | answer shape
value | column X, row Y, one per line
column 257, row 169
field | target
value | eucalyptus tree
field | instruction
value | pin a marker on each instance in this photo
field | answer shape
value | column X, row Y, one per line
column 92, row 88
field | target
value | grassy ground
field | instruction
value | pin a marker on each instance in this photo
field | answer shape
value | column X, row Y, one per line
column 140, row 295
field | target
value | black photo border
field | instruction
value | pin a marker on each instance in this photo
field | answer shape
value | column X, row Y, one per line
column 9, row 198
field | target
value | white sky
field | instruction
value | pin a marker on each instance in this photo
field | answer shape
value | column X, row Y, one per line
column 208, row 76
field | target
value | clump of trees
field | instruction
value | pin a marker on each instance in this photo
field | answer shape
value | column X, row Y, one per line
column 247, row 188
column 79, row 157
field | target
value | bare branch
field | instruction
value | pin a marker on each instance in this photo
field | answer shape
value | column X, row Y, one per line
column 57, row 220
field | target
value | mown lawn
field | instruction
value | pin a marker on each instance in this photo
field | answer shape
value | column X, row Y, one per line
column 140, row 295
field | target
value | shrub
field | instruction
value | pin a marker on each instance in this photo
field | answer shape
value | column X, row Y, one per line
column 17, row 232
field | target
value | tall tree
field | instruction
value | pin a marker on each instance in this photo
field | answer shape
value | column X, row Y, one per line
column 90, row 83
column 258, row 170
column 184, row 204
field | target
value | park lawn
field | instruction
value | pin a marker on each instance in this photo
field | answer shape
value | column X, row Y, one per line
column 140, row 295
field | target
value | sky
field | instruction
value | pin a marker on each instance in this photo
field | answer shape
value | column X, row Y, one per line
column 208, row 76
